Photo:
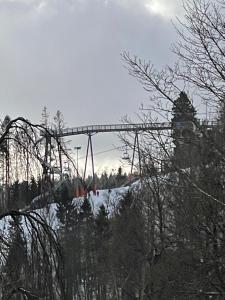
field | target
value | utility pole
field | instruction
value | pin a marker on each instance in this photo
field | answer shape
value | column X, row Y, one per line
column 77, row 148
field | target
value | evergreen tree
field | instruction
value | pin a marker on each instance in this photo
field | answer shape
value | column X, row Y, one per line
column 128, row 249
column 183, row 110
column 16, row 262
column 86, row 220
column 120, row 177
column 102, row 242
column 111, row 181
column 102, row 222
column 66, row 210
column 86, row 213
column 103, row 184
column 24, row 193
column 69, row 237
column 33, row 188
column 184, row 120
column 16, row 201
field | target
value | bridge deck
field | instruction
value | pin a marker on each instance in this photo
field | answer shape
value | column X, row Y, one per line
column 92, row 129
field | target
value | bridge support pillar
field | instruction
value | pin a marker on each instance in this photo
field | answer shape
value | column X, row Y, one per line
column 136, row 147
column 89, row 145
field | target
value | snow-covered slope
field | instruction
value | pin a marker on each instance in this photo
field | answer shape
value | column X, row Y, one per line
column 109, row 198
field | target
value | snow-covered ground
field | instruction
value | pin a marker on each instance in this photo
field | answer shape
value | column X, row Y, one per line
column 109, row 198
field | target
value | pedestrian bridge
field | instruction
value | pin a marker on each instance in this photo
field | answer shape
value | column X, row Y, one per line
column 92, row 129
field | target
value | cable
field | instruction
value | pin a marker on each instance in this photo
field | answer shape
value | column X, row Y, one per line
column 101, row 152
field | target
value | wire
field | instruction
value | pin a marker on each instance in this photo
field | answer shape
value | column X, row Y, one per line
column 105, row 151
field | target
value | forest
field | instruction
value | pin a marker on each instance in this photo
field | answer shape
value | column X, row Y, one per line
column 165, row 238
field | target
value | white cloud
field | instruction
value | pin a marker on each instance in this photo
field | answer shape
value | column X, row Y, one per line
column 162, row 8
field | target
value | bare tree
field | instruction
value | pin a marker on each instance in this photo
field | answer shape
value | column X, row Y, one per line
column 196, row 198
column 38, row 237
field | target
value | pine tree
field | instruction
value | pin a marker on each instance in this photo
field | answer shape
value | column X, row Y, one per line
column 128, row 249
column 183, row 110
column 69, row 237
column 66, row 210
column 86, row 221
column 33, row 188
column 86, row 213
column 102, row 242
column 120, row 177
column 104, row 181
column 102, row 222
column 16, row 261
column 15, row 201
column 186, row 152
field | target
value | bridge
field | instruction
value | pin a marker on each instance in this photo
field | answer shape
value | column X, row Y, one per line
column 93, row 129
column 90, row 130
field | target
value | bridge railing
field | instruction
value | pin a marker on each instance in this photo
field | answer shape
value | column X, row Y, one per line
column 113, row 127
column 91, row 129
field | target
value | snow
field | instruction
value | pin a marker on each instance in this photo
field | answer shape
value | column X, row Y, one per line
column 110, row 198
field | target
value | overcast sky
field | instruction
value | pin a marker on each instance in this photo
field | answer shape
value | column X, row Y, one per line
column 65, row 54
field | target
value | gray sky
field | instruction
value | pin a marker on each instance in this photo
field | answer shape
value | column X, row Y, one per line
column 65, row 54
